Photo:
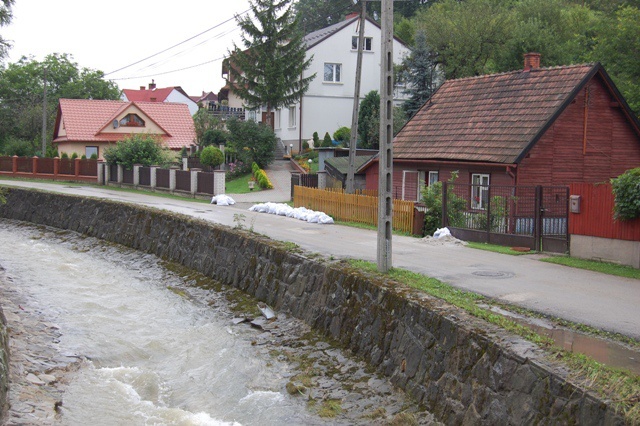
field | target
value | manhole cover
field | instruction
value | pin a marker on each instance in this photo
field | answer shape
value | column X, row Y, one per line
column 493, row 274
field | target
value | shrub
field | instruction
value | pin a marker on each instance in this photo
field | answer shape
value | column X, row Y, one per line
column 211, row 156
column 316, row 140
column 305, row 145
column 214, row 137
column 64, row 155
column 626, row 190
column 84, row 157
column 74, row 155
column 137, row 149
column 94, row 156
column 432, row 198
column 14, row 146
column 327, row 142
column 343, row 135
column 253, row 142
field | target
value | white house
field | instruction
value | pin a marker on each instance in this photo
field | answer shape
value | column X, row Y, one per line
column 328, row 103
column 166, row 94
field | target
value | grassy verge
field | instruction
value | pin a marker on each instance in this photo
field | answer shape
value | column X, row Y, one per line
column 621, row 387
column 240, row 185
column 593, row 265
column 498, row 249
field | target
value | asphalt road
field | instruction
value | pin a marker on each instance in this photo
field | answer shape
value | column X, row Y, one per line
column 602, row 301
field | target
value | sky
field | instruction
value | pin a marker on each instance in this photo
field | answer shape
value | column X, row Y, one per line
column 109, row 36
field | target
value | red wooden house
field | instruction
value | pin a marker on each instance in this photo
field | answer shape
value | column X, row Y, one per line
column 535, row 126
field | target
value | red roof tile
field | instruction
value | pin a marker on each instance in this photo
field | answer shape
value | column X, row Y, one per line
column 490, row 118
column 159, row 95
column 90, row 120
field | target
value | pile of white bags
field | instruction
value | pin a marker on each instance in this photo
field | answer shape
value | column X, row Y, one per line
column 441, row 233
column 223, row 200
column 300, row 213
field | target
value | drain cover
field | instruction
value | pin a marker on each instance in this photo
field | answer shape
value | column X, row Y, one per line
column 493, row 274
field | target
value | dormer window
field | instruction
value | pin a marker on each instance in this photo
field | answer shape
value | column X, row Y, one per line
column 132, row 120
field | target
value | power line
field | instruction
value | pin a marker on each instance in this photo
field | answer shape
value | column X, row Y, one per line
column 176, row 45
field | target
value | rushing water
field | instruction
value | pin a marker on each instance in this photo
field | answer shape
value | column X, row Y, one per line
column 152, row 355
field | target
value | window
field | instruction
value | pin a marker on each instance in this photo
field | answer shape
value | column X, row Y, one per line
column 433, row 178
column 366, row 46
column 132, row 120
column 276, row 119
column 332, row 72
column 292, row 116
column 90, row 150
column 479, row 191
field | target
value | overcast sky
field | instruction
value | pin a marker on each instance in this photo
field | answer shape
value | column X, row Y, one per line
column 111, row 35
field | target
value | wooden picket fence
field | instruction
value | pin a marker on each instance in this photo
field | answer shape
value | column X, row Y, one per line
column 353, row 207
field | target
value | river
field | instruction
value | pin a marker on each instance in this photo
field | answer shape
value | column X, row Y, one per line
column 149, row 347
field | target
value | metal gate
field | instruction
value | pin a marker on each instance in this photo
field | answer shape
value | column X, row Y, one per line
column 524, row 216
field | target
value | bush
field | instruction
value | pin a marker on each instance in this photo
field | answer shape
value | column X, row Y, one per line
column 94, row 156
column 74, row 155
column 21, row 148
column 64, row 156
column 626, row 190
column 327, row 142
column 316, row 140
column 343, row 135
column 214, row 137
column 261, row 177
column 211, row 156
column 432, row 198
column 252, row 141
column 137, row 149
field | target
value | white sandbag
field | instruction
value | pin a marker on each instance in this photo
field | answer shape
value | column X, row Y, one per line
column 312, row 217
column 441, row 233
column 222, row 200
column 325, row 219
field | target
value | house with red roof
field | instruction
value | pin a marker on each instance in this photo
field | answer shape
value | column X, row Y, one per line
column 535, row 126
column 206, row 100
column 154, row 94
column 87, row 127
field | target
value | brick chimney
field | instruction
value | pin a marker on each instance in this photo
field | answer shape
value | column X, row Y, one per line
column 142, row 88
column 531, row 61
column 152, row 85
column 351, row 16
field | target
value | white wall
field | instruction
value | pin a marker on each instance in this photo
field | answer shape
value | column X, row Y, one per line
column 179, row 98
column 326, row 105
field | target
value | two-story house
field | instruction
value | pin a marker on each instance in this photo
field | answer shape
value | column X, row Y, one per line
column 155, row 94
column 328, row 103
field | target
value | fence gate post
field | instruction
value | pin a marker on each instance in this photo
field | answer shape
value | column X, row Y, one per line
column 322, row 180
column 295, row 180
column 194, row 181
column 489, row 214
column 445, row 210
column 537, row 221
column 101, row 172
column 172, row 179
column 136, row 174
column 120, row 173
column 219, row 181
column 153, row 177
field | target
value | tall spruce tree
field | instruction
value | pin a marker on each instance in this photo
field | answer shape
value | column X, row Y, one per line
column 267, row 72
column 421, row 75
column 5, row 19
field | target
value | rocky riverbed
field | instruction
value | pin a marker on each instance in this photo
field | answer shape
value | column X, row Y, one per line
column 337, row 388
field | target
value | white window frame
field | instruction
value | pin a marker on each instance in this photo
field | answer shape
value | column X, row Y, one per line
column 336, row 73
column 292, row 117
column 367, row 47
column 434, row 176
column 480, row 190
column 86, row 151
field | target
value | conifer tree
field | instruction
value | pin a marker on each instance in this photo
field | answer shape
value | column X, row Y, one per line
column 267, row 71
column 421, row 75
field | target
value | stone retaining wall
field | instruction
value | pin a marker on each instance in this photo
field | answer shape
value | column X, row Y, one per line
column 463, row 370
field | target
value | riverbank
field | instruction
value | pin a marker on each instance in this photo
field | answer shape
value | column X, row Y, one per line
column 336, row 387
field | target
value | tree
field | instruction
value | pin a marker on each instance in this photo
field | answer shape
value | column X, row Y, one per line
column 137, row 149
column 22, row 87
column 368, row 119
column 326, row 141
column 267, row 72
column 253, row 142
column 215, row 137
column 420, row 74
column 211, row 156
column 203, row 121
column 618, row 49
column 343, row 135
column 318, row 14
column 5, row 19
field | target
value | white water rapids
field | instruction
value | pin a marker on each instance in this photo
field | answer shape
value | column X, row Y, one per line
column 152, row 355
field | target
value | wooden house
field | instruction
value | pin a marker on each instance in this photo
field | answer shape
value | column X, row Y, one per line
column 535, row 126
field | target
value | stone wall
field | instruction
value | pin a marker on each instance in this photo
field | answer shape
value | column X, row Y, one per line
column 463, row 370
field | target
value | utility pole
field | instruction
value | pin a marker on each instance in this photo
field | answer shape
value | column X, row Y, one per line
column 44, row 116
column 385, row 159
column 350, row 184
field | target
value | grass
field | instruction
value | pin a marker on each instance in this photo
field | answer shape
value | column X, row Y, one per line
column 497, row 249
column 240, row 185
column 621, row 387
column 594, row 265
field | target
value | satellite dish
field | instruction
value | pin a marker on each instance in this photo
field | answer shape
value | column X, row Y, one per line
column 115, row 124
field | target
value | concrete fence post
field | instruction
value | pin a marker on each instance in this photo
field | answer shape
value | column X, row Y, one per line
column 219, row 182
column 172, row 179
column 185, row 163
column 101, row 172
column 322, row 180
column 107, row 173
column 136, row 174
column 153, row 176
column 120, row 173
column 194, row 181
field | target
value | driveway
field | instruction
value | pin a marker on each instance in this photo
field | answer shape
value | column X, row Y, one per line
column 602, row 301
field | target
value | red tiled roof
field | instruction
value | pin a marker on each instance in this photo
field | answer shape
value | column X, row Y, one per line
column 146, row 95
column 491, row 118
column 90, row 120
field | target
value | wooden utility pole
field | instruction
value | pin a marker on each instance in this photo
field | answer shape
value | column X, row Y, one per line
column 44, row 116
column 350, row 184
column 385, row 159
